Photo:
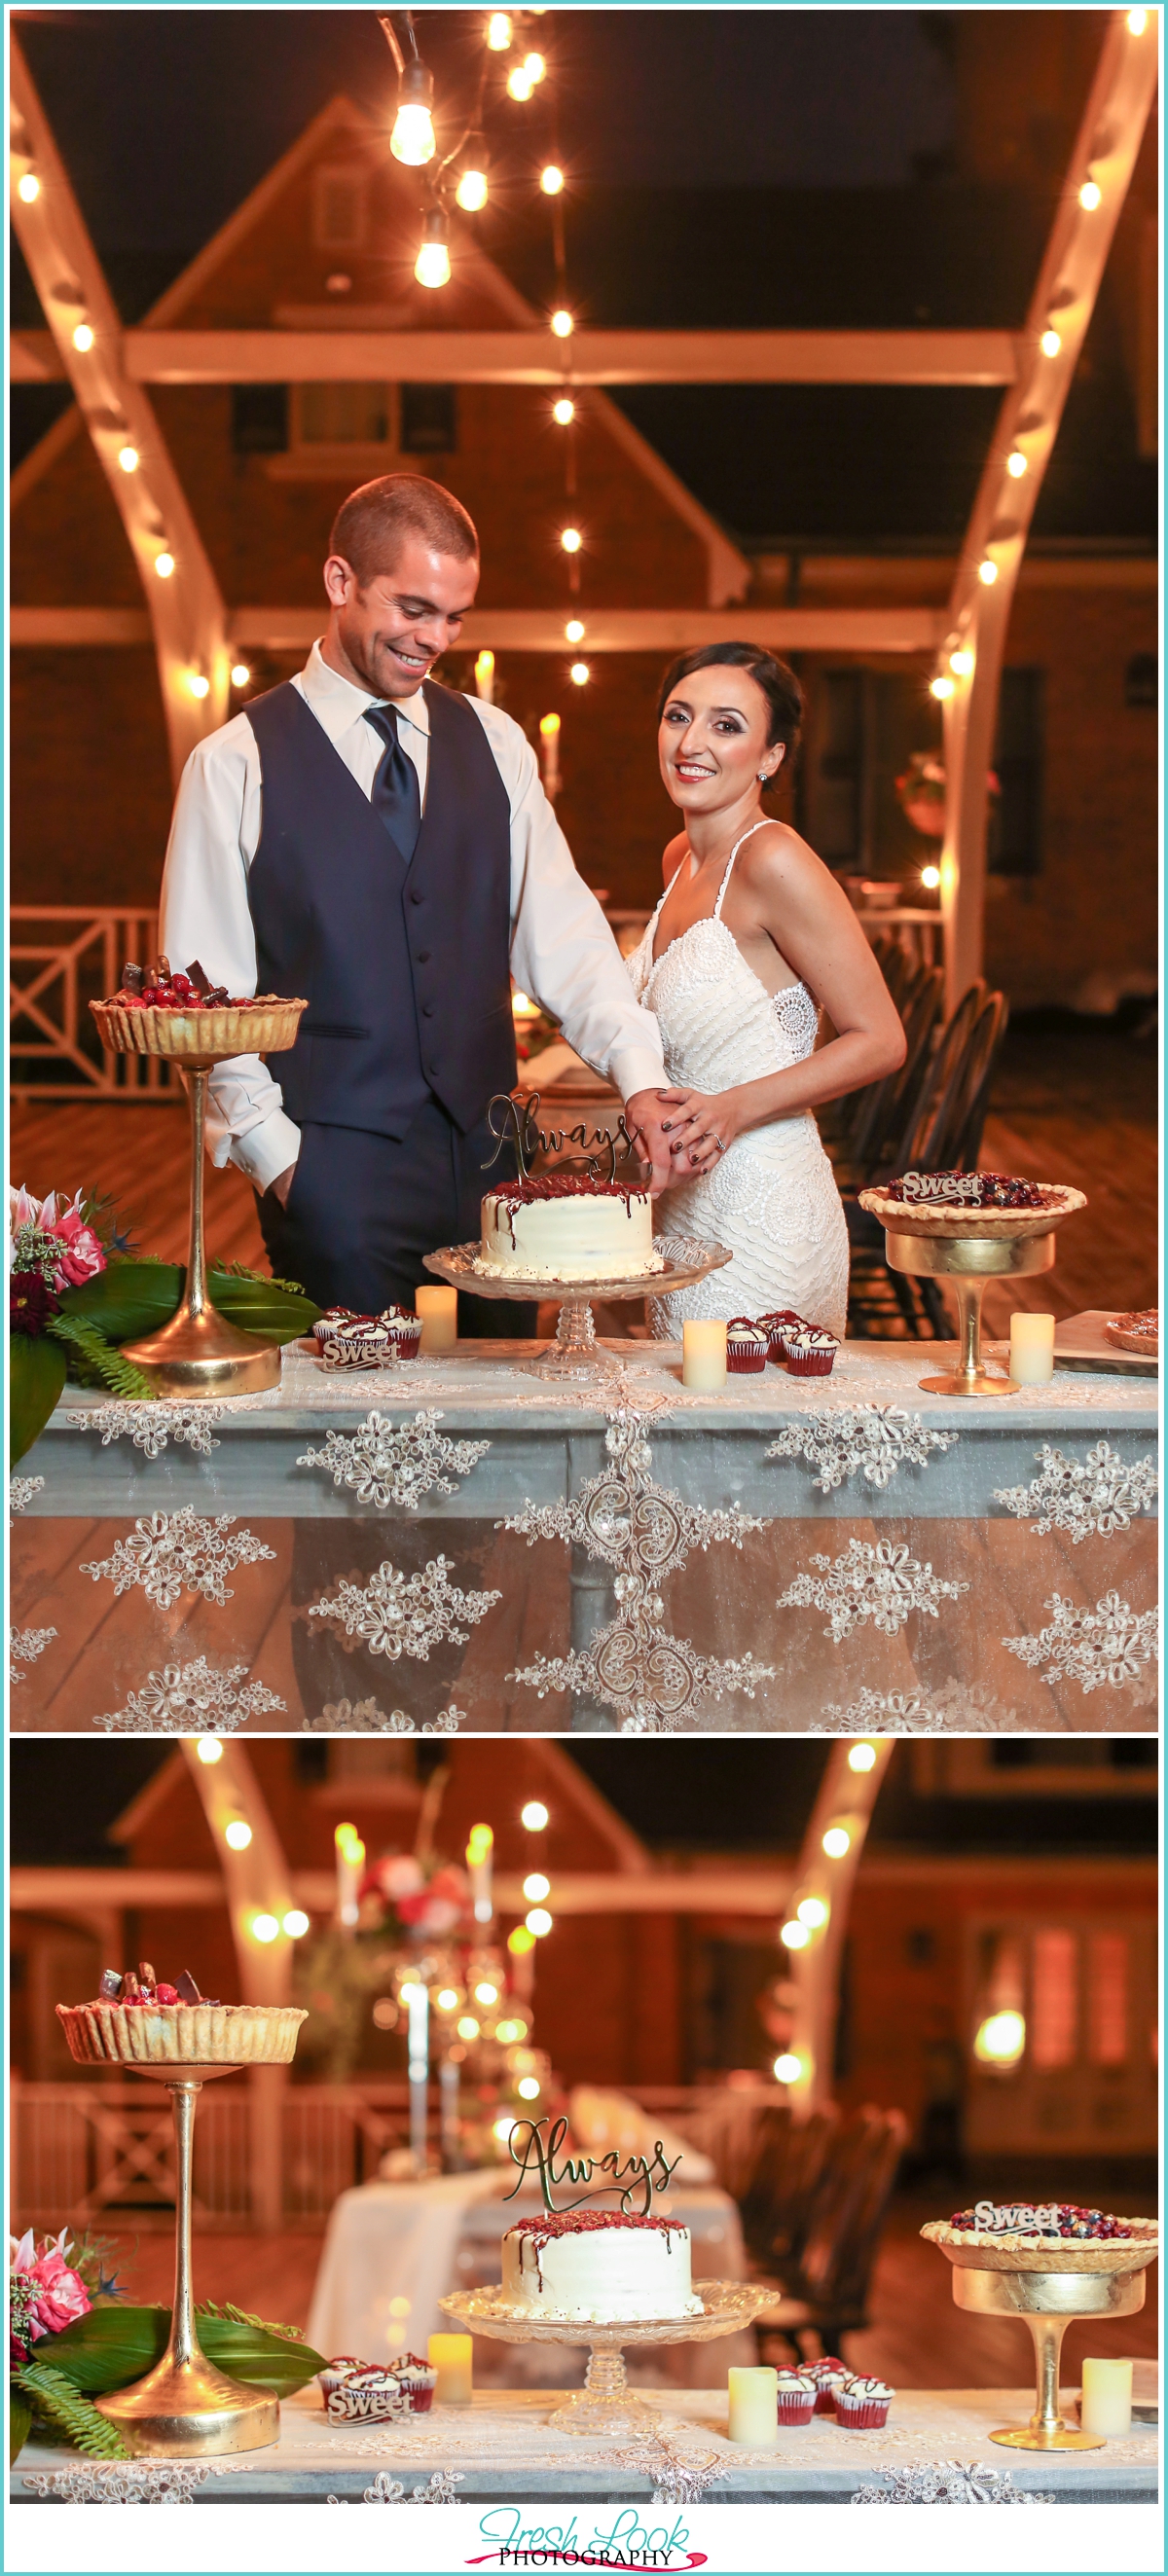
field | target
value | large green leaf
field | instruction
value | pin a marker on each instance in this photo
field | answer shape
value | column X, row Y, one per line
column 19, row 2419
column 111, row 2346
column 35, row 1382
column 260, row 1306
column 127, row 1298
column 258, row 2355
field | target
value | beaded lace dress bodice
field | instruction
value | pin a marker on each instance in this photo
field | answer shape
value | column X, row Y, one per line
column 771, row 1199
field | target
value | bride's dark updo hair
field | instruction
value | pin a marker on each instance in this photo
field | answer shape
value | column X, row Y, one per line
column 779, row 686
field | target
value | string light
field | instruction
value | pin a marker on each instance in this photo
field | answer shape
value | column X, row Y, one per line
column 83, row 337
column 571, row 540
column 129, row 459
column 412, row 139
column 468, row 2027
column 862, row 1757
column 1090, row 196
column 486, row 1993
column 237, row 1834
column 535, row 67
column 265, row 1928
column 1137, row 20
column 536, row 1887
column 794, row 1936
column 240, row 674
column 836, row 1841
column 539, row 1921
column 432, row 265
column 198, row 684
column 930, row 877
column 498, row 31
column 520, row 1941
column 296, row 1923
column 534, row 1815
column 551, row 180
column 1017, row 464
column 987, row 572
column 581, row 674
column 574, row 630
column 941, row 687
column 814, row 1912
column 563, row 324
column 1050, row 343
column 473, row 189
column 529, row 2088
column 28, row 189
column 1001, row 2039
column 563, row 411
column 164, row 565
column 788, row 2068
column 209, row 1749
column 520, row 83
column 962, row 662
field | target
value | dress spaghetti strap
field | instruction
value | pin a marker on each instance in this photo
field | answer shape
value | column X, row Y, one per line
column 743, row 836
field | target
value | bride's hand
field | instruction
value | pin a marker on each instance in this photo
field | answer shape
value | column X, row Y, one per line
column 700, row 1125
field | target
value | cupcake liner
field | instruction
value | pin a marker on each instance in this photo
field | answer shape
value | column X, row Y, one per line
column 405, row 1338
column 748, row 1360
column 810, row 1363
column 867, row 2417
column 796, row 2410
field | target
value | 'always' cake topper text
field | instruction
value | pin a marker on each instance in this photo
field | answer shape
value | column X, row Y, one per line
column 520, row 1122
column 649, row 2173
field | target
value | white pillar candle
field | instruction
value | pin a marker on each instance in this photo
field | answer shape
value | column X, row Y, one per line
column 437, row 1310
column 1106, row 2402
column 1032, row 1349
column 703, row 1363
column 754, row 2408
column 451, row 2356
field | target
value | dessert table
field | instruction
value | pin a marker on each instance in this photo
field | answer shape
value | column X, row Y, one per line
column 393, row 2248
column 500, row 2449
column 806, row 1554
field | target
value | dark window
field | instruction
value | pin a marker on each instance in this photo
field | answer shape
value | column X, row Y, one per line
column 259, row 420
column 1015, row 830
column 833, row 787
column 1141, row 681
column 429, row 420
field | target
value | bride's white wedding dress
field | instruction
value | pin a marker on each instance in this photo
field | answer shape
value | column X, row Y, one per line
column 771, row 1199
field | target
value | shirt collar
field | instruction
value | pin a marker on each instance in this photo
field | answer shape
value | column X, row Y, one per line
column 338, row 704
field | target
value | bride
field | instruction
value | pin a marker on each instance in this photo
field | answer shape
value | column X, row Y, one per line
column 751, row 940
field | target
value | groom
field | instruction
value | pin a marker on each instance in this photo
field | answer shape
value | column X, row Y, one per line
column 365, row 837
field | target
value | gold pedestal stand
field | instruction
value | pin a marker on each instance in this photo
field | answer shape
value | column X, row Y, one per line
column 186, row 2409
column 1046, row 2302
column 970, row 1261
column 199, row 1354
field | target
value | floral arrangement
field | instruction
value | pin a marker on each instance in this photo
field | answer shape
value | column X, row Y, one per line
column 921, row 792
column 426, row 1902
column 72, row 2337
column 406, row 1906
column 77, row 1289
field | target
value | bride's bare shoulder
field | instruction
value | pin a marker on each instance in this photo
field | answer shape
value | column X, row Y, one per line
column 777, row 860
column 672, row 857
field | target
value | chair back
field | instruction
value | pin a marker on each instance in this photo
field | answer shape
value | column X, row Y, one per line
column 959, row 1106
column 779, row 2197
column 935, row 1079
column 855, row 2187
column 881, row 1106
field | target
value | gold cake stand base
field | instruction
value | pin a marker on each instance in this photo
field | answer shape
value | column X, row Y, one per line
column 970, row 1261
column 186, row 2409
column 1047, row 2302
column 199, row 1354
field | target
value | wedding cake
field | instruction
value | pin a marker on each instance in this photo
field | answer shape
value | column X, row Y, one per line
column 599, row 2265
column 562, row 1227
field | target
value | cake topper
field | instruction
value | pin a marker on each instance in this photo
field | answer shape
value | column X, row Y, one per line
column 644, row 2169
column 529, row 1139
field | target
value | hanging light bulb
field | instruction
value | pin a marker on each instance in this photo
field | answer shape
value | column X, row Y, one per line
column 814, row 1912
column 1050, row 343
column 987, row 571
column 129, row 459
column 563, row 411
column 534, row 1815
column 930, row 877
column 794, row 1936
column 536, row 1887
column 563, row 325
column 1017, row 464
column 574, row 630
column 240, row 674
column 237, row 1834
column 551, row 180
column 28, row 189
column 209, row 1749
column 83, row 337
column 432, row 265
column 198, row 684
column 961, row 662
column 571, row 540
column 519, row 83
column 164, row 565
column 535, row 67
column 836, row 1841
column 862, row 1757
column 296, row 1923
column 941, row 687
column 788, row 2068
column 1090, row 196
column 581, row 674
column 1137, row 20
column 412, row 139
column 473, row 189
column 498, row 31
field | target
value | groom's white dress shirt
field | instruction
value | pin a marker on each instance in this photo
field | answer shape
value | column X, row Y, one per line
column 562, row 950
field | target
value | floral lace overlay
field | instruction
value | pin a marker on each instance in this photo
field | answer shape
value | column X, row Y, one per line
column 21, row 1490
column 1095, row 1495
column 152, row 1422
column 364, row 1717
column 192, row 1699
column 396, row 1469
column 26, row 1646
column 1107, row 1646
column 870, row 1440
column 439, row 2489
column 958, row 1708
column 397, row 1615
column 949, row 2483
column 879, row 1583
column 127, row 2482
column 174, row 1552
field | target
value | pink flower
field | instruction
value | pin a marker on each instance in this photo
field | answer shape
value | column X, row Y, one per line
column 59, row 2294
column 84, row 1252
column 399, row 1875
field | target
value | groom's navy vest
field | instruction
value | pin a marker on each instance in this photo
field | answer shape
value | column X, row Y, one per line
column 405, row 969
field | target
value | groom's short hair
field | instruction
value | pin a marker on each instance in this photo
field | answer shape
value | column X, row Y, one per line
column 369, row 527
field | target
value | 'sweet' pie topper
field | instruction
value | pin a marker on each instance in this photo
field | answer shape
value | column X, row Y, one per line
column 530, row 2152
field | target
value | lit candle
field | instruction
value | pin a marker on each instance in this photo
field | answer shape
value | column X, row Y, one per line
column 479, row 1852
column 437, row 1309
column 350, row 1851
column 754, row 2408
column 1106, row 2402
column 703, row 1363
column 451, row 2356
column 1032, row 1349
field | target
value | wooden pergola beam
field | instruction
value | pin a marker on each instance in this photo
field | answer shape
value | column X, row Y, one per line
column 1064, row 299
column 186, row 609
column 534, row 357
column 537, row 630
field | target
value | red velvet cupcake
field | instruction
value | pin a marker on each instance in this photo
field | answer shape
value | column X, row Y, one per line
column 811, row 1351
column 796, row 2396
column 747, row 1346
column 862, row 2405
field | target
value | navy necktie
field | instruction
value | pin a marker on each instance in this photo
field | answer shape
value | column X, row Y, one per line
column 396, row 798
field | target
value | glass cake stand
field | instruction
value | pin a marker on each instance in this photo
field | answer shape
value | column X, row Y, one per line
column 940, row 1241
column 606, row 2404
column 576, row 1356
column 1045, row 2286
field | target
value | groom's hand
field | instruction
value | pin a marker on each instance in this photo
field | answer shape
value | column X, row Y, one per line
column 279, row 1188
column 643, row 1117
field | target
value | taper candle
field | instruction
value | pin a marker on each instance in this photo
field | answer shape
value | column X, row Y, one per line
column 1032, row 1349
column 703, row 1365
column 437, row 1310
column 1106, row 2402
column 754, row 2408
column 451, row 2356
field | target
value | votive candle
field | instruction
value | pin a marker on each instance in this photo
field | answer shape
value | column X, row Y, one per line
column 1032, row 1349
column 1106, row 2402
column 703, row 1364
column 451, row 2356
column 437, row 1310
column 754, row 2408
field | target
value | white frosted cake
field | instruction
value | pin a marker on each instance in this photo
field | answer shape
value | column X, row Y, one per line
column 562, row 1228
column 597, row 2264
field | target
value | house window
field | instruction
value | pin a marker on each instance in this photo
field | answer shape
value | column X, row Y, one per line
column 1015, row 829
column 862, row 730
column 342, row 416
column 1107, row 1999
column 1141, row 681
column 338, row 209
column 429, row 420
column 259, row 419
column 1054, row 1999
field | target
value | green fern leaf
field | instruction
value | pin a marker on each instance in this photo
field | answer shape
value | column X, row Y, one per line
column 93, row 1360
column 55, row 2402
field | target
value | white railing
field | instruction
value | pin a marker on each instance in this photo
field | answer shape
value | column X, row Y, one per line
column 62, row 957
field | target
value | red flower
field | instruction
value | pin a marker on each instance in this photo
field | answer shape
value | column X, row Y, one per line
column 31, row 1304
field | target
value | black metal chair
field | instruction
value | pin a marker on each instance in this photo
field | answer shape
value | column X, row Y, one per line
column 823, row 2289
